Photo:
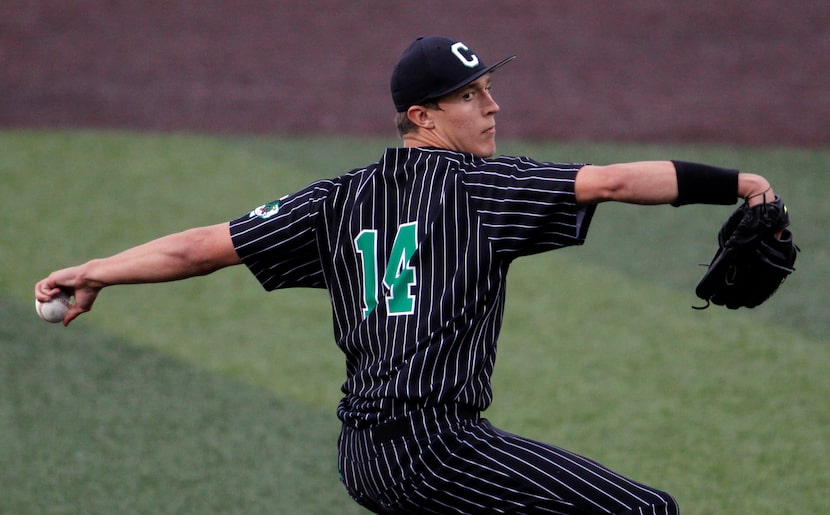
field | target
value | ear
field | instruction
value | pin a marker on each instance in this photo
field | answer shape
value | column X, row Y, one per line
column 421, row 117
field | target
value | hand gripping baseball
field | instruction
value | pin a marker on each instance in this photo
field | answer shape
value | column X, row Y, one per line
column 66, row 282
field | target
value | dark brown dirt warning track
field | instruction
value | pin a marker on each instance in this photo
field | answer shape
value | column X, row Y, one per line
column 726, row 71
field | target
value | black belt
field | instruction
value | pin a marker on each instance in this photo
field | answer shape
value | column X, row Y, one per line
column 420, row 423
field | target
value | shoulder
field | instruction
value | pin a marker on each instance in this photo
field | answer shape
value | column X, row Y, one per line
column 522, row 167
column 327, row 186
column 529, row 163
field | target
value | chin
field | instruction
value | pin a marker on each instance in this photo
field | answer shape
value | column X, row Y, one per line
column 483, row 150
column 486, row 152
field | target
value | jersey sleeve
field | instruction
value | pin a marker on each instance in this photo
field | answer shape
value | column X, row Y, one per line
column 278, row 240
column 528, row 207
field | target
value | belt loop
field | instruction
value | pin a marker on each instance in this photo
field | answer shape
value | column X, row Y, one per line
column 417, row 424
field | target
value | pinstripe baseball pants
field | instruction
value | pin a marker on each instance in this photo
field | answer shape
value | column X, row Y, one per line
column 448, row 460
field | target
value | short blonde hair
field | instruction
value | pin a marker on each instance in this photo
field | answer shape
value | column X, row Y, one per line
column 405, row 125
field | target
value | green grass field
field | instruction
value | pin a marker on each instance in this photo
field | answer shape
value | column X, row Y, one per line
column 211, row 396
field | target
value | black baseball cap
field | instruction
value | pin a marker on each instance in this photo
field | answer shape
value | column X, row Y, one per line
column 434, row 66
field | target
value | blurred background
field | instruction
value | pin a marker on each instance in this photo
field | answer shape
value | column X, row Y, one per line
column 730, row 71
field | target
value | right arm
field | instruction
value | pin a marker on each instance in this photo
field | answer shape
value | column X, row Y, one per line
column 190, row 253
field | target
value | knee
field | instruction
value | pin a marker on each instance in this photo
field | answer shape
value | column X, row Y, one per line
column 663, row 505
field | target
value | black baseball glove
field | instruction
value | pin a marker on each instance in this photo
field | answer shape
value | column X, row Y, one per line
column 755, row 255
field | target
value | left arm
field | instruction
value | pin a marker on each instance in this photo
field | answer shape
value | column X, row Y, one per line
column 651, row 182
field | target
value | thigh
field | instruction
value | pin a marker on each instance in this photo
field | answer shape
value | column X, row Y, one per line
column 481, row 469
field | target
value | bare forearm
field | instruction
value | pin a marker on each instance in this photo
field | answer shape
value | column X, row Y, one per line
column 186, row 254
column 652, row 182
column 177, row 256
column 644, row 182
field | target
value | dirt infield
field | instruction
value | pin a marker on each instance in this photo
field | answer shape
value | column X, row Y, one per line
column 724, row 71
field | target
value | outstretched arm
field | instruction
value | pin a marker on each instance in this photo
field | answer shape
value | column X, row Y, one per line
column 651, row 182
column 190, row 253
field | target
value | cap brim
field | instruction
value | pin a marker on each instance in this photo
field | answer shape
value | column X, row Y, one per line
column 471, row 78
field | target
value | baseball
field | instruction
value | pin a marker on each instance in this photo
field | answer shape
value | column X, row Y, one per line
column 54, row 310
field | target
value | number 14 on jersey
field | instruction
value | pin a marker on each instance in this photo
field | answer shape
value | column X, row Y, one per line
column 399, row 275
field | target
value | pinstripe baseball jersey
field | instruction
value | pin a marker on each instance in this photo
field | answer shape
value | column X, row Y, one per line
column 414, row 252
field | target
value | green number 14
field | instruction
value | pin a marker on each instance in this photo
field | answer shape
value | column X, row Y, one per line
column 399, row 276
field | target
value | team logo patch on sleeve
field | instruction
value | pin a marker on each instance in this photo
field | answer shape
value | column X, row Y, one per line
column 266, row 210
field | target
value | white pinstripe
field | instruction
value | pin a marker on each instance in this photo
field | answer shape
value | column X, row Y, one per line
column 473, row 217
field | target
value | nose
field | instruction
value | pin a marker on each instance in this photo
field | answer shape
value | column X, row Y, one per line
column 491, row 106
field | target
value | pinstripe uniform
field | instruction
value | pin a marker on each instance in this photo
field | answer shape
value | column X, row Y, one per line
column 414, row 252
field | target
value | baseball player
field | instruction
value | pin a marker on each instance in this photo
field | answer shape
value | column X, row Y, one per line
column 414, row 251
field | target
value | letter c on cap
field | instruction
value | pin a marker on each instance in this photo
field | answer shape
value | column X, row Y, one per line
column 470, row 60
